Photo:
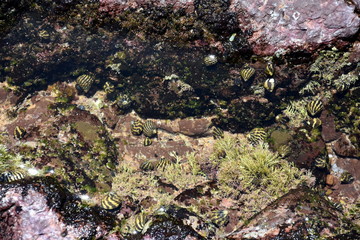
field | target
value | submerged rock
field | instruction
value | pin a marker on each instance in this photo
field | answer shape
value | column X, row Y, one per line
column 41, row 209
column 288, row 25
column 300, row 214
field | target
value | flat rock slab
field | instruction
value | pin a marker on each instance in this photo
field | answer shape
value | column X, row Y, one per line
column 284, row 24
column 40, row 209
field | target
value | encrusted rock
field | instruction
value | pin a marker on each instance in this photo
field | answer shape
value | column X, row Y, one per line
column 282, row 25
column 300, row 213
column 40, row 209
column 343, row 147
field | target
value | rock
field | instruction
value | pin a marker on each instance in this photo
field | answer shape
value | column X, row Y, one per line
column 343, row 147
column 40, row 209
column 117, row 6
column 290, row 25
column 330, row 179
column 328, row 131
column 297, row 215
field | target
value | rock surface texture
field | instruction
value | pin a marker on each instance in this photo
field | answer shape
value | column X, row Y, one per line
column 304, row 25
column 40, row 209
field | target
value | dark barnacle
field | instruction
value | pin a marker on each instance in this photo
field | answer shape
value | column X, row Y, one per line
column 84, row 82
column 137, row 127
column 346, row 177
column 322, row 163
column 247, row 72
column 281, row 118
column 314, row 107
column 148, row 165
column 11, row 176
column 150, row 129
column 163, row 162
column 19, row 132
column 147, row 141
column 313, row 123
column 111, row 201
column 269, row 84
column 210, row 60
column 218, row 133
column 220, row 218
column 141, row 223
column 123, row 101
column 256, row 136
column 269, row 70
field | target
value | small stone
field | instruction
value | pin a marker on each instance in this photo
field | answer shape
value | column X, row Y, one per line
column 330, row 180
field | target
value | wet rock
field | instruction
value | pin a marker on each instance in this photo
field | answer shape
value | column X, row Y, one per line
column 343, row 147
column 117, row 6
column 304, row 25
column 41, row 209
column 328, row 131
column 297, row 215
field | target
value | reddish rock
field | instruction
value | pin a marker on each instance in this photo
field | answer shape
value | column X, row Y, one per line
column 330, row 179
column 328, row 131
column 343, row 147
column 292, row 217
column 117, row 6
column 283, row 25
column 40, row 209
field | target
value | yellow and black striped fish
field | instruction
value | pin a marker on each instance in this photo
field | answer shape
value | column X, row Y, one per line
column 137, row 127
column 150, row 129
column 148, row 165
column 163, row 162
column 111, row 201
column 247, row 72
column 11, row 176
column 269, row 70
column 314, row 123
column 84, row 82
column 220, row 218
column 147, row 141
column 346, row 177
column 256, row 136
column 19, row 132
column 140, row 222
column 314, row 107
column 322, row 163
column 218, row 133
column 269, row 84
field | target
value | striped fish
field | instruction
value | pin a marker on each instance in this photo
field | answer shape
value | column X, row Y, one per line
column 150, row 129
column 218, row 133
column 11, row 176
column 314, row 107
column 269, row 70
column 84, row 82
column 19, row 132
column 256, row 136
column 137, row 127
column 111, row 201
column 220, row 218
column 247, row 72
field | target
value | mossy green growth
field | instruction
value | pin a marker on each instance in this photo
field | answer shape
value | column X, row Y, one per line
column 8, row 161
column 328, row 63
column 296, row 111
column 254, row 175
